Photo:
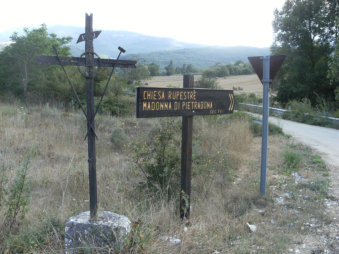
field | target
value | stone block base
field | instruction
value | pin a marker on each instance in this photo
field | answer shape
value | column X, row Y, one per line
column 103, row 235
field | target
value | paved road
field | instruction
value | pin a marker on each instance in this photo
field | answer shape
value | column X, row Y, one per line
column 324, row 140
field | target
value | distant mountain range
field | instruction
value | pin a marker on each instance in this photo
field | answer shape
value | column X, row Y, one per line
column 153, row 49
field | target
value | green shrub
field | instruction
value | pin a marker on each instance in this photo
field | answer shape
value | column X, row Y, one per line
column 302, row 111
column 275, row 129
column 303, row 106
column 139, row 236
column 320, row 186
column 336, row 114
column 253, row 99
column 158, row 159
column 117, row 105
column 319, row 161
column 14, row 197
column 256, row 128
column 248, row 99
column 206, row 82
column 292, row 161
column 238, row 115
column 119, row 137
column 239, row 98
column 30, row 238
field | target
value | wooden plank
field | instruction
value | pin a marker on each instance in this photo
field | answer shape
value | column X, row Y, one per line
column 164, row 102
column 186, row 157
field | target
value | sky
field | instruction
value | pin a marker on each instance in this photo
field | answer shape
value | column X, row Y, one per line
column 209, row 22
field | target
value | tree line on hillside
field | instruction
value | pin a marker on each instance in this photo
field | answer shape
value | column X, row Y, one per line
column 201, row 57
column 307, row 33
column 21, row 78
column 217, row 71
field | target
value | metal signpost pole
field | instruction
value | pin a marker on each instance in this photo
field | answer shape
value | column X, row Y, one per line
column 266, row 82
column 266, row 67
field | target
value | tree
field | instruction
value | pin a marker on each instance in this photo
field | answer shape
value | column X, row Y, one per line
column 207, row 82
column 305, row 33
column 222, row 71
column 178, row 70
column 239, row 63
column 18, row 72
column 135, row 75
column 334, row 73
column 169, row 69
column 189, row 69
column 153, row 68
column 209, row 73
column 185, row 69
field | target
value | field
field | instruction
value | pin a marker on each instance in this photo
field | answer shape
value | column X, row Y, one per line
column 44, row 181
column 243, row 83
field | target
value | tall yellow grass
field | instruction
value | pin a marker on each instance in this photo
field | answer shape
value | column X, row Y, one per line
column 224, row 184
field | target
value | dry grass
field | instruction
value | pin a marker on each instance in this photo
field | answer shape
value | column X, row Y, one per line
column 246, row 83
column 224, row 185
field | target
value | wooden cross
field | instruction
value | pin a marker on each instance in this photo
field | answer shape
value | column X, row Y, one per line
column 89, row 62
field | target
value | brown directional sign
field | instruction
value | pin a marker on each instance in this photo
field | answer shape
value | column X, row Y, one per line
column 163, row 102
column 275, row 64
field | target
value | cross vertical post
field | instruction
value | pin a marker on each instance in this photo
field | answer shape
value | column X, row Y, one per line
column 186, row 157
column 89, row 59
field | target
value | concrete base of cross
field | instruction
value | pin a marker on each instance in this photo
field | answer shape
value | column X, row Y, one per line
column 105, row 234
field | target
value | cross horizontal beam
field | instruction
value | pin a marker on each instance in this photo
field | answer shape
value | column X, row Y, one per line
column 81, row 61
